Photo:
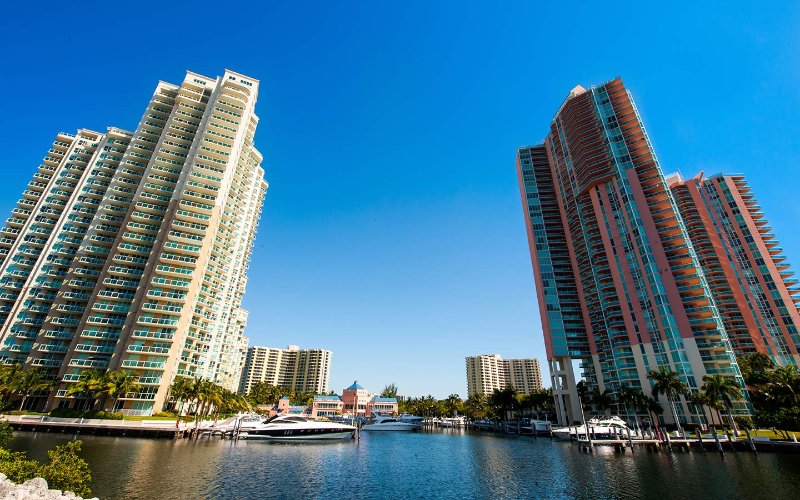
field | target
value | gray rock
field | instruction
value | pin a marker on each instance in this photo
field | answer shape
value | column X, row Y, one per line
column 32, row 489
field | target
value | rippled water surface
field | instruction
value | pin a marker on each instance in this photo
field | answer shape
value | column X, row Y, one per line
column 417, row 465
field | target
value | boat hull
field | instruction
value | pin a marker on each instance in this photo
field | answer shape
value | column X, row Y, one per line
column 399, row 426
column 298, row 434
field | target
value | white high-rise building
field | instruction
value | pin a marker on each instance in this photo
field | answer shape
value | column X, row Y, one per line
column 129, row 250
column 300, row 370
column 488, row 372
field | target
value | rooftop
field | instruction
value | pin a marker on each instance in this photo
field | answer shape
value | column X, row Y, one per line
column 327, row 398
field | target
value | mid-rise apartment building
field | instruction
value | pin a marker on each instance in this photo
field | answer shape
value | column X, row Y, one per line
column 129, row 250
column 488, row 372
column 525, row 374
column 300, row 370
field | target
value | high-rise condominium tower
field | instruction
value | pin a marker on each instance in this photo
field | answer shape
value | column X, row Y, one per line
column 301, row 370
column 488, row 372
column 746, row 270
column 130, row 250
column 619, row 282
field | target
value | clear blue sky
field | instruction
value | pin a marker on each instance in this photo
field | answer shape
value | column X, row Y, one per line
column 392, row 233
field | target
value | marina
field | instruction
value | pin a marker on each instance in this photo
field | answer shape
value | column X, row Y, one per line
column 439, row 462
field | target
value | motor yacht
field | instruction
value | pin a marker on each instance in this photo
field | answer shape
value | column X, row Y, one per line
column 295, row 428
column 389, row 423
column 411, row 419
column 534, row 426
column 600, row 428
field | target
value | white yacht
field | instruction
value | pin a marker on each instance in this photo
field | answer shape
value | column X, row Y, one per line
column 534, row 426
column 295, row 428
column 389, row 423
column 600, row 428
column 455, row 422
column 411, row 419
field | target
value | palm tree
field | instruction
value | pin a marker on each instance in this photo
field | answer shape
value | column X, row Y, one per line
column 654, row 409
column 633, row 398
column 453, row 404
column 118, row 383
column 475, row 406
column 8, row 374
column 783, row 388
column 504, row 400
column 603, row 400
column 30, row 381
column 89, row 386
column 670, row 385
column 390, row 391
column 725, row 389
column 755, row 367
column 178, row 390
column 702, row 401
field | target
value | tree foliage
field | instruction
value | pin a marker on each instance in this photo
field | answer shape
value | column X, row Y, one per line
column 390, row 391
column 774, row 391
column 65, row 470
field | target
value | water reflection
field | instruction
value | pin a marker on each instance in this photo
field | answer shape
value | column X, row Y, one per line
column 449, row 464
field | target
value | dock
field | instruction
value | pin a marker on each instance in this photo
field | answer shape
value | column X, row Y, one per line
column 674, row 444
column 102, row 427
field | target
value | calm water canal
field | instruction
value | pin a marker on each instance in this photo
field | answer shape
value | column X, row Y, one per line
column 445, row 464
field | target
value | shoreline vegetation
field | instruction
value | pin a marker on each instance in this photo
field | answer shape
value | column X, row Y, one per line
column 65, row 471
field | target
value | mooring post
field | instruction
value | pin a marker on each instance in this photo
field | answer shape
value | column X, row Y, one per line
column 750, row 441
column 716, row 438
column 630, row 440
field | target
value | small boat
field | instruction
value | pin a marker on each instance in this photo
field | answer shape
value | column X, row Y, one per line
column 295, row 428
column 534, row 426
column 454, row 422
column 389, row 423
column 483, row 425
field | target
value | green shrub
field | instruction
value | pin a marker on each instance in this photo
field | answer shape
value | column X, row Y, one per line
column 6, row 433
column 17, row 466
column 108, row 415
column 65, row 413
column 170, row 414
column 67, row 471
column 73, row 413
column 744, row 422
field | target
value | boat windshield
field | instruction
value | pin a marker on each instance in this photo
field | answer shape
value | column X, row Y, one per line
column 285, row 418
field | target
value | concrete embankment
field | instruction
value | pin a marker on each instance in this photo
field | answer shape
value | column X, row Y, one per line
column 102, row 427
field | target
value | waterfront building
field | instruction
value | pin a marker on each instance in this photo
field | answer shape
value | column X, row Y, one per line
column 620, row 286
column 524, row 375
column 299, row 370
column 745, row 267
column 382, row 406
column 129, row 250
column 286, row 406
column 326, row 406
column 488, row 372
column 355, row 399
